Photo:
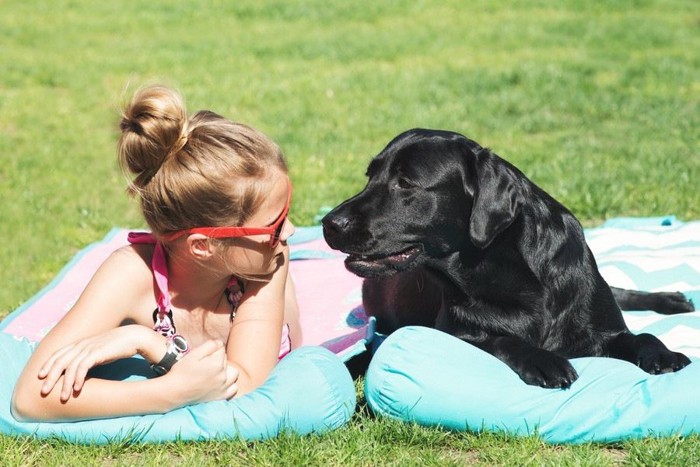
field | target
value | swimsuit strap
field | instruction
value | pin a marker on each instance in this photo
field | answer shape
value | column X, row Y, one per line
column 163, row 322
column 158, row 264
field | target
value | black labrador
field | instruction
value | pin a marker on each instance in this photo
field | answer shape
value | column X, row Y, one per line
column 449, row 235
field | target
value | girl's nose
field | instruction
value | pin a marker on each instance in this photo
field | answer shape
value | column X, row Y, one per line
column 287, row 231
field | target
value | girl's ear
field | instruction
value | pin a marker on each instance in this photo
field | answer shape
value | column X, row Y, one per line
column 199, row 246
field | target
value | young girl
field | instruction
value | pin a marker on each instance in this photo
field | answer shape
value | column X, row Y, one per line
column 206, row 298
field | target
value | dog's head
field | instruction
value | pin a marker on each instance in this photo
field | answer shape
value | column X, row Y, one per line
column 429, row 193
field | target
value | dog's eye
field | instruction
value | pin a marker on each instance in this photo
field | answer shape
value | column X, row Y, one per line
column 404, row 183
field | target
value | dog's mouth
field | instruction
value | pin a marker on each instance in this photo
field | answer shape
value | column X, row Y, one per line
column 382, row 265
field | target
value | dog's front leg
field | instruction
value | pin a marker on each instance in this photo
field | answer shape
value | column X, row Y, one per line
column 535, row 366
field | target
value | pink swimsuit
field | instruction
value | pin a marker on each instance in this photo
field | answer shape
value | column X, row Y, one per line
column 163, row 315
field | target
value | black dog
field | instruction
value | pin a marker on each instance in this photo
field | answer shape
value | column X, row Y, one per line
column 449, row 235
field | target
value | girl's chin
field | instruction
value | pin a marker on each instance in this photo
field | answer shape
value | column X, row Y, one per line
column 274, row 264
column 277, row 261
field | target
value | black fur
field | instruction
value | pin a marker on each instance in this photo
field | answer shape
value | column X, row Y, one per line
column 449, row 235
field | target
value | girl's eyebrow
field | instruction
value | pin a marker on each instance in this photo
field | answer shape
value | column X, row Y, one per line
column 285, row 208
column 276, row 218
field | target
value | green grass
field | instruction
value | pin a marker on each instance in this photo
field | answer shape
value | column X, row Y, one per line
column 597, row 101
column 364, row 441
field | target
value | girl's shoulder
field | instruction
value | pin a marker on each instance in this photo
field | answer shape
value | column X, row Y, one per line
column 128, row 271
column 121, row 289
column 131, row 259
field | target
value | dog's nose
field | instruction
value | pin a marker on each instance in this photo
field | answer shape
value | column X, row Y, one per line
column 334, row 224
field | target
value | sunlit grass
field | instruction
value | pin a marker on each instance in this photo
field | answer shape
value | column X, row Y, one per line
column 597, row 101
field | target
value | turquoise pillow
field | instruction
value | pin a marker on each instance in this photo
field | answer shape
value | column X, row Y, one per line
column 426, row 376
column 310, row 390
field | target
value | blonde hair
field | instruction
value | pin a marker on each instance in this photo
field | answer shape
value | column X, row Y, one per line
column 199, row 171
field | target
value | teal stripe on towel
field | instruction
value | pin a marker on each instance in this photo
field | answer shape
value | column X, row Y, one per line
column 647, row 280
column 634, row 222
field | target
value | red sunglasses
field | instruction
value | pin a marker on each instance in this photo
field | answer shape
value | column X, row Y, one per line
column 274, row 230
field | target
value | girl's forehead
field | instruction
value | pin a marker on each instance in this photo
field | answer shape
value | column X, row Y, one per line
column 277, row 192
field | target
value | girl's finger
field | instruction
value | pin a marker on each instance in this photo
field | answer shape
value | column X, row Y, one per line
column 67, row 387
column 76, row 371
column 231, row 391
column 82, row 371
column 71, row 373
column 231, row 379
column 57, row 368
column 46, row 367
column 231, row 374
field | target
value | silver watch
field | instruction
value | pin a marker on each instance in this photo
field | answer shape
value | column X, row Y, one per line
column 177, row 348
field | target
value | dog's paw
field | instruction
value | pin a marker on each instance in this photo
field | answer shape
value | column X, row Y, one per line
column 547, row 370
column 657, row 361
column 671, row 303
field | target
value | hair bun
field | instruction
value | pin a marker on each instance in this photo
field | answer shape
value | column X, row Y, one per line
column 153, row 126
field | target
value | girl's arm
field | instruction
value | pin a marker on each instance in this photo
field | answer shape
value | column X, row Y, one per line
column 202, row 375
column 118, row 287
column 254, row 341
column 72, row 362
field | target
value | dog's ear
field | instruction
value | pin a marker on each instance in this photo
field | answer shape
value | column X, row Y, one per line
column 496, row 198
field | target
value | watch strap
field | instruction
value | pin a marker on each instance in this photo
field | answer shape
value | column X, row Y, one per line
column 176, row 349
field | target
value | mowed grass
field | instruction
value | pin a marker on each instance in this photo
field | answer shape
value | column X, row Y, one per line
column 597, row 101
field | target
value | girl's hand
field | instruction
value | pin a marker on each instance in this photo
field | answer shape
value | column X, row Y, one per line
column 204, row 374
column 75, row 360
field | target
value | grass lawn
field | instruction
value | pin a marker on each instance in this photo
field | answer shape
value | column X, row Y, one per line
column 597, row 101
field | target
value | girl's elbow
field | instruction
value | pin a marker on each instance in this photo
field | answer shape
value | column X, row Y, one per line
column 28, row 405
column 23, row 406
column 249, row 382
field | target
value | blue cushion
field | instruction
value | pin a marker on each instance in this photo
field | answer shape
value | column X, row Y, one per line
column 310, row 390
column 429, row 377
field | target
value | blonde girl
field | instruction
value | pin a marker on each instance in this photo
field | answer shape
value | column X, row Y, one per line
column 205, row 297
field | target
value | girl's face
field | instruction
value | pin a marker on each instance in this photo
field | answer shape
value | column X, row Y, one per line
column 253, row 255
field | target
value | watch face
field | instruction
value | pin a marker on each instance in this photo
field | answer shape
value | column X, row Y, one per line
column 180, row 344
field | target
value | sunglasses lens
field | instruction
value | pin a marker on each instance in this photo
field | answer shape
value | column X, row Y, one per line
column 275, row 238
